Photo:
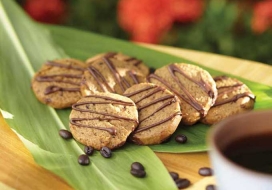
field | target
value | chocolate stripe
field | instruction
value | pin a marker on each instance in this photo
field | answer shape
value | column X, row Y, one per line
column 189, row 101
column 112, row 131
column 204, row 86
column 160, row 108
column 100, row 79
column 138, row 130
column 149, row 94
column 235, row 98
column 118, row 78
column 55, row 64
column 52, row 89
column 138, row 91
column 155, row 101
column 109, row 98
column 134, row 77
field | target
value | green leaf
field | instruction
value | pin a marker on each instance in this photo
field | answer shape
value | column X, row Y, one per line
column 24, row 46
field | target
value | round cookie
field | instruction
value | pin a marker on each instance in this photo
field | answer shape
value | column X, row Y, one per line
column 57, row 83
column 131, row 61
column 107, row 74
column 194, row 87
column 103, row 119
column 233, row 97
column 159, row 113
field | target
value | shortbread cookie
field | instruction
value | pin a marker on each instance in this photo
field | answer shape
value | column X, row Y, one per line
column 159, row 113
column 131, row 61
column 233, row 97
column 107, row 74
column 57, row 83
column 194, row 87
column 103, row 119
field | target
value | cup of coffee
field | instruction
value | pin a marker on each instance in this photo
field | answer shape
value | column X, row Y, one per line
column 241, row 151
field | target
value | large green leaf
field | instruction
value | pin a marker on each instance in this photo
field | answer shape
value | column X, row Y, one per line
column 24, row 46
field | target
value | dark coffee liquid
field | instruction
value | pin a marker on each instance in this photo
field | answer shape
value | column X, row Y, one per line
column 253, row 152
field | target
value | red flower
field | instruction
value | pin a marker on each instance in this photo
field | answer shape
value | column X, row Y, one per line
column 262, row 16
column 148, row 20
column 145, row 20
column 47, row 11
column 187, row 11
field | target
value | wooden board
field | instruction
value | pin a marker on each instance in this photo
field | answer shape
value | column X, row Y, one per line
column 19, row 171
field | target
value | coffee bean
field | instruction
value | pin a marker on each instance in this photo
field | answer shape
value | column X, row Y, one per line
column 105, row 152
column 65, row 134
column 174, row 175
column 210, row 187
column 205, row 171
column 137, row 166
column 88, row 150
column 181, row 138
column 138, row 173
column 182, row 183
column 83, row 159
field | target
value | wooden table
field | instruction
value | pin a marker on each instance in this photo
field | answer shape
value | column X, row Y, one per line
column 19, row 171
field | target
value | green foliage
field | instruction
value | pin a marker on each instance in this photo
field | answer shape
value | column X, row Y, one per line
column 95, row 15
column 224, row 28
column 220, row 31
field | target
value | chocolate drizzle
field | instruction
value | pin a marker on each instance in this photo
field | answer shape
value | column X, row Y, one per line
column 187, row 97
column 136, row 61
column 103, row 116
column 154, row 90
column 158, row 123
column 223, row 90
column 119, row 79
column 235, row 98
column 52, row 89
column 61, row 78
column 111, row 130
column 156, row 101
column 55, row 64
column 100, row 79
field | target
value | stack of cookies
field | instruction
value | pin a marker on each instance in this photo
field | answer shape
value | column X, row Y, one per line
column 114, row 98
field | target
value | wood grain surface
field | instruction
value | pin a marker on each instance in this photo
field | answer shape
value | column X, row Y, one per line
column 19, row 171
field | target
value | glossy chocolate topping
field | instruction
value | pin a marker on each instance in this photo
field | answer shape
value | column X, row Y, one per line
column 55, row 64
column 103, row 115
column 235, row 98
column 157, row 123
column 120, row 80
column 58, row 78
column 123, row 83
column 188, row 98
column 52, row 89
column 61, row 78
column 154, row 90
column 100, row 79
column 111, row 130
column 224, row 90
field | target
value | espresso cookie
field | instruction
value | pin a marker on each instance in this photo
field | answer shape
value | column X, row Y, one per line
column 57, row 83
column 233, row 97
column 194, row 87
column 103, row 119
column 107, row 74
column 159, row 113
column 131, row 61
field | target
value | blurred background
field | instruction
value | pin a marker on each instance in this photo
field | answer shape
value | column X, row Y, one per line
column 239, row 28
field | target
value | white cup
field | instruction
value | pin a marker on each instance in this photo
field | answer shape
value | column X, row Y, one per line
column 228, row 174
